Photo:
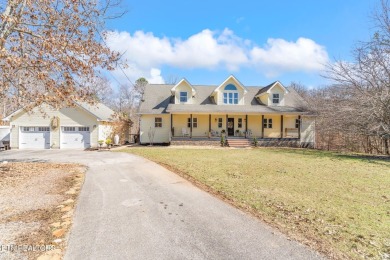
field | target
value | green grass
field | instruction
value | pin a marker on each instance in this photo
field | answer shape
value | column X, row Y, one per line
column 338, row 203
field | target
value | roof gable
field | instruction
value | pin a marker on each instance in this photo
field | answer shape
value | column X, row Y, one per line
column 267, row 89
column 231, row 77
column 181, row 82
column 99, row 110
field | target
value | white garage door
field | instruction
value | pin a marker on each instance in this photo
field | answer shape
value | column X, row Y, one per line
column 34, row 137
column 75, row 137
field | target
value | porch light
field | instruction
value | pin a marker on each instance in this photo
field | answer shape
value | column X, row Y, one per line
column 215, row 119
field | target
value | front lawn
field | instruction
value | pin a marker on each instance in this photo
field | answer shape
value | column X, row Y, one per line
column 337, row 203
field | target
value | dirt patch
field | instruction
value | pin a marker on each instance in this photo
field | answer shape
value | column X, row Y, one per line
column 32, row 198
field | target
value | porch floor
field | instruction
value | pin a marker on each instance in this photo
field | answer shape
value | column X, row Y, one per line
column 204, row 138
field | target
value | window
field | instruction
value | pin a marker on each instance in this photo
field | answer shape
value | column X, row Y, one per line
column 230, row 87
column 267, row 123
column 194, row 122
column 84, row 128
column 69, row 129
column 235, row 98
column 296, row 123
column 183, row 97
column 230, row 95
column 28, row 129
column 157, row 122
column 43, row 129
column 220, row 122
column 270, row 123
column 275, row 98
column 240, row 123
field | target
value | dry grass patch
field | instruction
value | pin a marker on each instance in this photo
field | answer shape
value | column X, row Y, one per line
column 337, row 203
column 32, row 197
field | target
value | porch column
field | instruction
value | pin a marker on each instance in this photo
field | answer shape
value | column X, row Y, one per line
column 299, row 127
column 281, row 126
column 262, row 126
column 246, row 125
column 209, row 126
column 172, row 131
column 191, row 126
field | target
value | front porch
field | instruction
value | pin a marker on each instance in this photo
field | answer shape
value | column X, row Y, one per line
column 235, row 141
column 202, row 127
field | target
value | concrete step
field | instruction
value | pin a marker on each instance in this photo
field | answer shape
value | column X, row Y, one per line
column 239, row 143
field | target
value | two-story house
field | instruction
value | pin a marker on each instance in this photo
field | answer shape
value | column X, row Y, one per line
column 194, row 112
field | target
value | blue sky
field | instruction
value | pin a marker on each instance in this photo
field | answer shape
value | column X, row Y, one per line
column 257, row 41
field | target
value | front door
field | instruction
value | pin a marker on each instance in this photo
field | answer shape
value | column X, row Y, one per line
column 230, row 125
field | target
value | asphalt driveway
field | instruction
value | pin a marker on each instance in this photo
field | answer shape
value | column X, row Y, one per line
column 132, row 208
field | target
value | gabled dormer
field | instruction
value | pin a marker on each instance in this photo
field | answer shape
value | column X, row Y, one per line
column 273, row 94
column 230, row 92
column 183, row 92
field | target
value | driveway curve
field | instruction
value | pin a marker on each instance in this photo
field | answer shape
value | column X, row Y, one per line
column 132, row 208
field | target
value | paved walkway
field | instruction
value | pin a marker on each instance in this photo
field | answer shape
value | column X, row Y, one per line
column 132, row 208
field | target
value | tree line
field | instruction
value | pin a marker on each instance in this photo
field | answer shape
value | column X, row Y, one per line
column 353, row 114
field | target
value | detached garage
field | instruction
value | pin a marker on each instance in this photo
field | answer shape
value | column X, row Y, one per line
column 45, row 127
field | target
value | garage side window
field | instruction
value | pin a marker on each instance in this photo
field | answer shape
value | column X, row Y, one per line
column 84, row 128
column 157, row 122
column 69, row 129
column 43, row 129
column 28, row 129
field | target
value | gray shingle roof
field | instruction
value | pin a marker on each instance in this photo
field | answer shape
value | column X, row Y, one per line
column 101, row 111
column 158, row 99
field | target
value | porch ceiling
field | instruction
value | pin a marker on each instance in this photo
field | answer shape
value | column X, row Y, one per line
column 229, row 109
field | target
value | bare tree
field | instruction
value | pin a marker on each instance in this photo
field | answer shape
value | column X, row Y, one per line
column 367, row 81
column 172, row 79
column 100, row 89
column 300, row 88
column 47, row 46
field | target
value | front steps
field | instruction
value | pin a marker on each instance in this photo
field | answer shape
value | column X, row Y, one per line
column 239, row 143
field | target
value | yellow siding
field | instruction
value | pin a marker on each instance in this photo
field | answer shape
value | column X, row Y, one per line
column 184, row 87
column 162, row 134
column 214, row 123
column 264, row 99
column 181, row 122
column 289, row 122
column 273, row 132
column 68, row 117
column 254, row 124
column 203, row 125
column 277, row 89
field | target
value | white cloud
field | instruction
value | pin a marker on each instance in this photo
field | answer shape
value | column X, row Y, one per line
column 146, row 53
column 280, row 55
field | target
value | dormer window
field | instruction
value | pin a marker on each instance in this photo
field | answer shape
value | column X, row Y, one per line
column 230, row 95
column 183, row 97
column 275, row 99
